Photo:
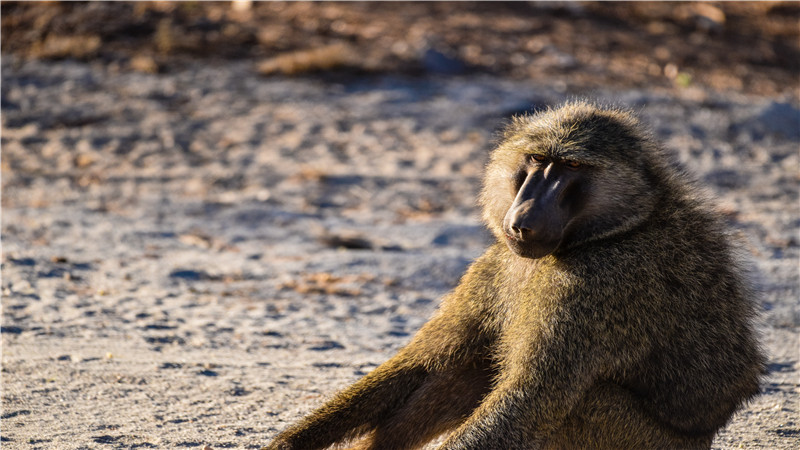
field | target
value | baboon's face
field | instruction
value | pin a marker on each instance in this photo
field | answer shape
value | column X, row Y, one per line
column 565, row 177
column 548, row 195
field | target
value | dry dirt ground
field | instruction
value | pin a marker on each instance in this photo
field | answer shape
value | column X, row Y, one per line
column 196, row 253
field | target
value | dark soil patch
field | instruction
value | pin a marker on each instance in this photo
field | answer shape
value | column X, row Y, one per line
column 750, row 47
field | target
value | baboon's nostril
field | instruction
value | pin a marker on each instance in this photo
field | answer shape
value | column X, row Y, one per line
column 519, row 232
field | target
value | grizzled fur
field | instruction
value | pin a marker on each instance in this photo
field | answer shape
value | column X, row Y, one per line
column 634, row 331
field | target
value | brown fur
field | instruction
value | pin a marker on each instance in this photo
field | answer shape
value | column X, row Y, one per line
column 634, row 332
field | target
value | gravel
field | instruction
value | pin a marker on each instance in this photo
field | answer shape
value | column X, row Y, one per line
column 201, row 257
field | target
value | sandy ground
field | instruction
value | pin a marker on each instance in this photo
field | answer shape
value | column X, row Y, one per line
column 201, row 257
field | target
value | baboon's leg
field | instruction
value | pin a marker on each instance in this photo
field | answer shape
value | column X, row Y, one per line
column 375, row 399
column 355, row 410
column 443, row 402
column 610, row 417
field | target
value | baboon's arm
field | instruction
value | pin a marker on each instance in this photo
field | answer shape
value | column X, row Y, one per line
column 547, row 368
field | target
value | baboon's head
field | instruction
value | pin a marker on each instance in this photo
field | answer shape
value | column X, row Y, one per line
column 567, row 176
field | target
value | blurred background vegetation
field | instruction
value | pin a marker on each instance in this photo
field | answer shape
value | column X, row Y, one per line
column 747, row 47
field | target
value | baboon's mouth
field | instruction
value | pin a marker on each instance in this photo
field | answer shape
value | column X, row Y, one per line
column 532, row 250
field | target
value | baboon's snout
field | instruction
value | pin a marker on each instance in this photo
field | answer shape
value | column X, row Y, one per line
column 533, row 230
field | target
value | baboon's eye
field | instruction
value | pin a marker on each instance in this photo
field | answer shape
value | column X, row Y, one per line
column 539, row 158
column 572, row 164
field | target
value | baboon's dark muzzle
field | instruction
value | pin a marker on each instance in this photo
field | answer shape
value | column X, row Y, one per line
column 535, row 223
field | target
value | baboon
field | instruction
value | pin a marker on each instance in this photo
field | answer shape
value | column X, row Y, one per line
column 611, row 312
